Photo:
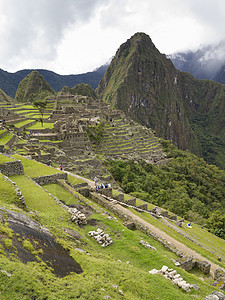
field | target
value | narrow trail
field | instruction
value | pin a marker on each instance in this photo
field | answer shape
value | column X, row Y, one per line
column 170, row 239
column 159, row 232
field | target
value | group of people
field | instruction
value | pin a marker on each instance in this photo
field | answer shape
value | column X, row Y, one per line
column 100, row 186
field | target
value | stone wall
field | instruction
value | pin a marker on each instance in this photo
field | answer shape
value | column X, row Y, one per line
column 42, row 180
column 100, row 200
column 106, row 191
column 11, row 141
column 12, row 168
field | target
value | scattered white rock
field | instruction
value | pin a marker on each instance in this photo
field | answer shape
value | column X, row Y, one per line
column 175, row 278
column 120, row 292
column 153, row 271
column 147, row 245
column 101, row 237
column 77, row 217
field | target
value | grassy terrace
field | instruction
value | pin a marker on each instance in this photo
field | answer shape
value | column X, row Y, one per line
column 23, row 123
column 38, row 125
column 2, row 131
column 125, row 263
column 214, row 246
column 50, row 141
column 8, row 196
column 97, row 280
column 4, row 159
column 6, row 138
column 33, row 168
column 74, row 180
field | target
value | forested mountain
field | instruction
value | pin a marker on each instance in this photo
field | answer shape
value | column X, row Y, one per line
column 9, row 81
column 145, row 84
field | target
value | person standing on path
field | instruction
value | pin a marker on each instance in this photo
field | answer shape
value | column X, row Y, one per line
column 96, row 181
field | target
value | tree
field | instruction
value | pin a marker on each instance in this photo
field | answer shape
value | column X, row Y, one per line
column 41, row 106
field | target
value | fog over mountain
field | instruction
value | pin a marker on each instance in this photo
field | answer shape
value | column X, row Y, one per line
column 207, row 62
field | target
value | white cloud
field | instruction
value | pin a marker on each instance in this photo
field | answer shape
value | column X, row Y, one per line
column 75, row 36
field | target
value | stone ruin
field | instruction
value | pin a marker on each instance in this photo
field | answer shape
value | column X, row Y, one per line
column 77, row 217
column 175, row 278
column 188, row 263
column 219, row 276
column 101, row 237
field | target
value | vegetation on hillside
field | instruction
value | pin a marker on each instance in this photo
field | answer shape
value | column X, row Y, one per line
column 33, row 88
column 84, row 90
column 95, row 132
column 186, row 185
column 148, row 88
column 41, row 106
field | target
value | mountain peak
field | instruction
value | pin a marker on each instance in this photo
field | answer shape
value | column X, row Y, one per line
column 32, row 87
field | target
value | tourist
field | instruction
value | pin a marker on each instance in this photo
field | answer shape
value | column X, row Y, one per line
column 60, row 167
column 96, row 181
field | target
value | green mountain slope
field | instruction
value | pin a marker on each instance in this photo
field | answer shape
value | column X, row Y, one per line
column 33, row 87
column 45, row 255
column 148, row 88
column 9, row 81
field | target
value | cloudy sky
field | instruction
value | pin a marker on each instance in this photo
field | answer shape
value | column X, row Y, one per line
column 77, row 36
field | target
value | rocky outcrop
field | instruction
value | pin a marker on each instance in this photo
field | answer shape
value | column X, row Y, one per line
column 52, row 253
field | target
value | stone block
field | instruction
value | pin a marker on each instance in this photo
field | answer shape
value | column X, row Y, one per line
column 106, row 191
column 120, row 197
column 130, row 225
column 186, row 263
column 165, row 213
column 173, row 218
column 131, row 202
column 203, row 266
column 144, row 206
column 84, row 191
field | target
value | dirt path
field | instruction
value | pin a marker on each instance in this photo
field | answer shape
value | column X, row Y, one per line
column 90, row 182
column 159, row 232
column 167, row 237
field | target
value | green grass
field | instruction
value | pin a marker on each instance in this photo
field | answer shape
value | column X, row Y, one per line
column 33, row 168
column 61, row 193
column 74, row 180
column 51, row 141
column 102, row 269
column 6, row 138
column 4, row 159
column 2, row 131
column 23, row 123
column 38, row 200
column 7, row 194
column 38, row 125
column 213, row 246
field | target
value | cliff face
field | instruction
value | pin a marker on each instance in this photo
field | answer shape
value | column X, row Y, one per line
column 147, row 87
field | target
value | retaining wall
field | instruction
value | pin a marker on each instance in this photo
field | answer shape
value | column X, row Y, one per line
column 42, row 180
column 12, row 168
